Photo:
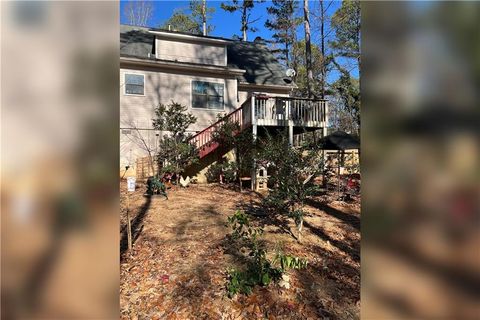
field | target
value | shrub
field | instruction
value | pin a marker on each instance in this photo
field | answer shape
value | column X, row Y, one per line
column 259, row 270
column 227, row 169
column 294, row 169
column 176, row 151
column 213, row 172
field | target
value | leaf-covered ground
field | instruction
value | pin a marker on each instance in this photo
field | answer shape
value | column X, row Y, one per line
column 177, row 268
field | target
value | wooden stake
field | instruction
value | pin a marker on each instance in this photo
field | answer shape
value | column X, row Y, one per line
column 300, row 228
column 129, row 226
column 338, row 174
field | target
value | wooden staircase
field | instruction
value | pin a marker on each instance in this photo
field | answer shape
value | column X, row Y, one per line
column 203, row 140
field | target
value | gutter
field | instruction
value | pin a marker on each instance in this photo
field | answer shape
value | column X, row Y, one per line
column 246, row 85
column 172, row 65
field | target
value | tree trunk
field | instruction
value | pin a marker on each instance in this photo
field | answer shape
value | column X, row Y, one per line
column 308, row 48
column 151, row 163
column 294, row 58
column 287, row 60
column 322, row 37
column 204, row 17
column 244, row 22
column 239, row 171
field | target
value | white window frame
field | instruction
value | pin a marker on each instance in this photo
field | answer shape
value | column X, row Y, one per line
column 125, row 84
column 206, row 109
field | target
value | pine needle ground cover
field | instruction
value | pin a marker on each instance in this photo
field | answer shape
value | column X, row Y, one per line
column 178, row 268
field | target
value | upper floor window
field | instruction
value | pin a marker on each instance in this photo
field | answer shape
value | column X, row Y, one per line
column 134, row 84
column 207, row 95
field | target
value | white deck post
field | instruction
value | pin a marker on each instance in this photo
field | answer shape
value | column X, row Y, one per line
column 325, row 118
column 254, row 132
column 290, row 132
column 254, row 119
column 290, row 122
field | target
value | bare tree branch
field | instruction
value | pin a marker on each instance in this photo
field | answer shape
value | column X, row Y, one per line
column 138, row 13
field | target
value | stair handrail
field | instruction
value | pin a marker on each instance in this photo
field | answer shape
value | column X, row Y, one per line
column 215, row 124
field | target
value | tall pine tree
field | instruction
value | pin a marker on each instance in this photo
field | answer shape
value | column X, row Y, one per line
column 346, row 23
column 245, row 7
column 284, row 24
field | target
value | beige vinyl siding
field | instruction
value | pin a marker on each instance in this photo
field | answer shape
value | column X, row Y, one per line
column 163, row 87
column 194, row 52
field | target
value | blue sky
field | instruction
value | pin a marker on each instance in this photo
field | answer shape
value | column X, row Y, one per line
column 228, row 24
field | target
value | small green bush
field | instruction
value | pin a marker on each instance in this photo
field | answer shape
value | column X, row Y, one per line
column 229, row 172
column 228, row 169
column 259, row 270
column 213, row 172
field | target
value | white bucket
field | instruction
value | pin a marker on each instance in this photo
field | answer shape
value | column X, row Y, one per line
column 131, row 184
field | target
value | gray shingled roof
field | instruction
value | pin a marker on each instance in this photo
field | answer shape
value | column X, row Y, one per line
column 260, row 64
column 254, row 57
column 136, row 42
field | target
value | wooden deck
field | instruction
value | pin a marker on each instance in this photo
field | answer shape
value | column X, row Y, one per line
column 285, row 111
column 262, row 110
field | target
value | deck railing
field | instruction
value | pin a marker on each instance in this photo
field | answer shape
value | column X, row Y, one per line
column 274, row 110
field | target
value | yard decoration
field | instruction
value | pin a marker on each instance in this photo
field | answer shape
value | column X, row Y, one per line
column 176, row 151
column 155, row 186
column 261, row 179
column 184, row 182
column 130, row 188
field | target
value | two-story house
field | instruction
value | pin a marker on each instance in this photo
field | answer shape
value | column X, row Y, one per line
column 209, row 75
